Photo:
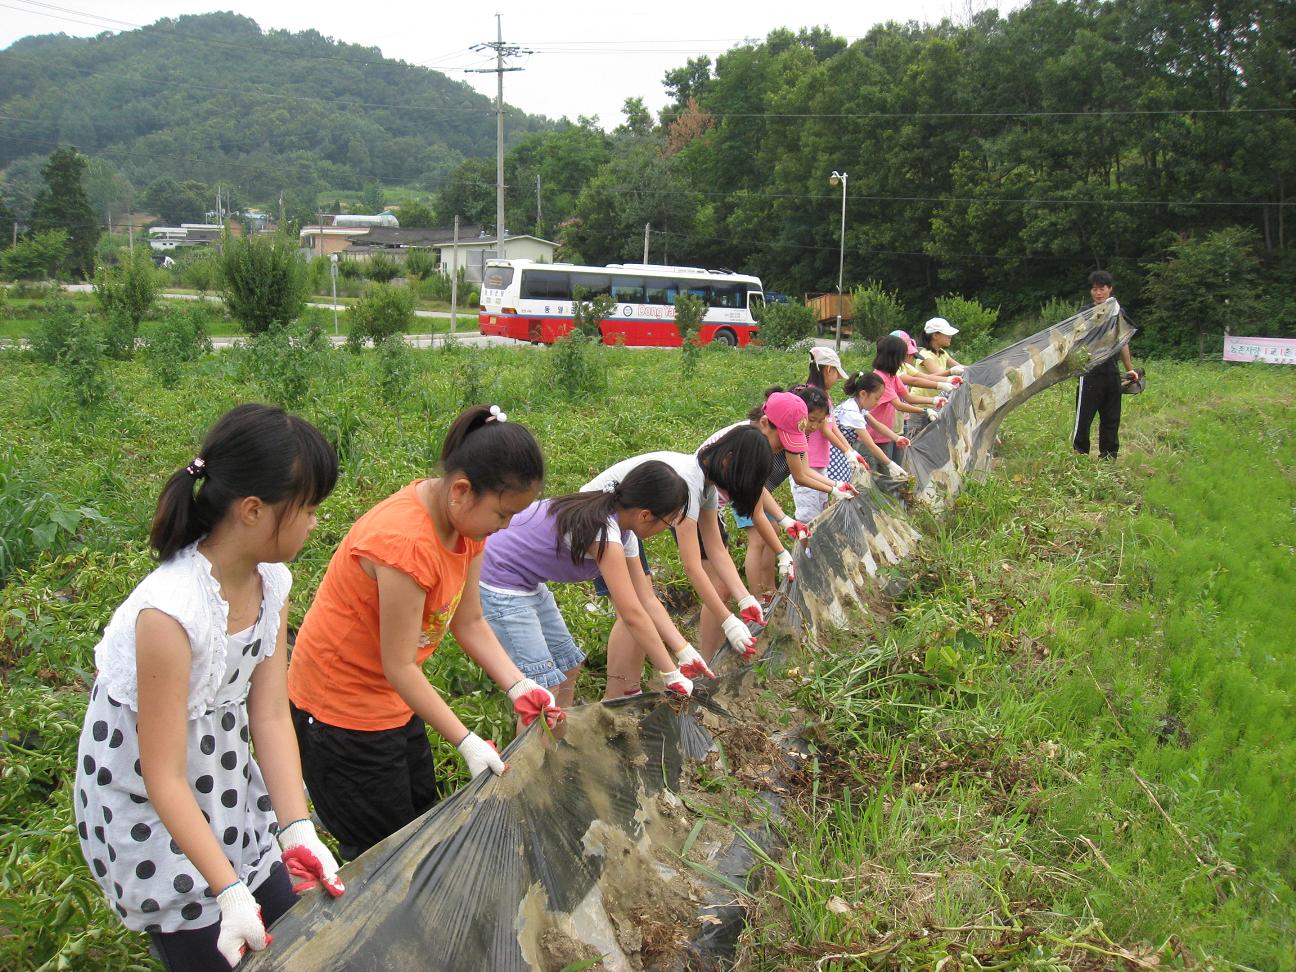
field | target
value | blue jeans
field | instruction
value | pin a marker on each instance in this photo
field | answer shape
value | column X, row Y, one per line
column 533, row 633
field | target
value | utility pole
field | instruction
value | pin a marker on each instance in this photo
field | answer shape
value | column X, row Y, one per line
column 454, row 276
column 539, row 210
column 502, row 51
column 647, row 234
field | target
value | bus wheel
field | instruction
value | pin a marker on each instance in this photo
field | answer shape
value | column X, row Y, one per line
column 726, row 337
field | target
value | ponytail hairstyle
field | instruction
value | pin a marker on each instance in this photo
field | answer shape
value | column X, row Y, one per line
column 815, row 397
column 863, row 383
column 739, row 462
column 816, row 379
column 926, row 339
column 755, row 412
column 492, row 453
column 891, row 352
column 253, row 450
column 653, row 486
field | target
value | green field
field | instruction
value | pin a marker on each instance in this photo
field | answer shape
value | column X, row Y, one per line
column 1069, row 741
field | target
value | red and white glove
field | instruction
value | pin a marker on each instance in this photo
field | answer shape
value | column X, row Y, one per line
column 939, row 401
column 786, row 569
column 480, row 755
column 692, row 664
column 531, row 700
column 955, row 380
column 241, row 927
column 739, row 636
column 749, row 609
column 895, row 471
column 843, row 490
column 307, row 858
column 946, row 387
column 856, row 458
column 958, row 369
column 903, row 442
column 795, row 528
column 677, row 682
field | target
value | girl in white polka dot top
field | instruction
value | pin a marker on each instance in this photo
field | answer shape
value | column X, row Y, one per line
column 177, row 819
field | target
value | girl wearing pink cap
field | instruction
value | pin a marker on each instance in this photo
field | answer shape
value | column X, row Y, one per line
column 784, row 418
column 825, row 371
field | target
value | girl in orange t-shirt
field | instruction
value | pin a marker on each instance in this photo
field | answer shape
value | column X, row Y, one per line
column 406, row 573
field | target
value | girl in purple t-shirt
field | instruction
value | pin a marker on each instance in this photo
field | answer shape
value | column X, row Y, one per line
column 574, row 538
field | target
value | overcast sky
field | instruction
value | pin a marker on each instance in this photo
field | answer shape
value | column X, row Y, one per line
column 588, row 57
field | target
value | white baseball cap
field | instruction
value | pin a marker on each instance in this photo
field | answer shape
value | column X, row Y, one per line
column 827, row 356
column 938, row 325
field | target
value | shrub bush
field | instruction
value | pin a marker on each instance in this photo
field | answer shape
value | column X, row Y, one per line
column 126, row 293
column 875, row 311
column 54, row 329
column 381, row 269
column 82, row 361
column 283, row 360
column 36, row 257
column 689, row 312
column 785, row 325
column 421, row 262
column 263, row 281
column 385, row 310
column 198, row 269
column 395, row 367
column 973, row 319
column 180, row 336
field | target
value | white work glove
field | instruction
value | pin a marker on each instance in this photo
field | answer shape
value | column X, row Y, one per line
column 531, row 700
column 895, row 471
column 480, row 755
column 785, row 569
column 945, row 387
column 307, row 859
column 241, row 927
column 856, row 458
column 932, row 414
column 739, row 637
column 676, row 681
column 749, row 609
column 958, row 370
column 692, row 664
column 939, row 402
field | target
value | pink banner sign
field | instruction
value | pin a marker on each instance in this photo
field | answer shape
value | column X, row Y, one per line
column 1266, row 350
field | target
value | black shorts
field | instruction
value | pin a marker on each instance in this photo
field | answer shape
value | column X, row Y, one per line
column 366, row 785
column 600, row 586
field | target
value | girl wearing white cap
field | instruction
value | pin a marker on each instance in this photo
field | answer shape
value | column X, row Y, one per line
column 934, row 355
column 924, row 389
column 825, row 371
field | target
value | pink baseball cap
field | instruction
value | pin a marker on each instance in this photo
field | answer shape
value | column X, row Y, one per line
column 913, row 345
column 787, row 412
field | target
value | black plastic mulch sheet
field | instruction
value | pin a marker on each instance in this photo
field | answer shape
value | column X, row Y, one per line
column 571, row 855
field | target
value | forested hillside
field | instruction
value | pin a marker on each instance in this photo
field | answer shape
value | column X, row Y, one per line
column 1002, row 157
column 213, row 98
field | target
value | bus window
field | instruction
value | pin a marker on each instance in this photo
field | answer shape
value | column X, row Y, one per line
column 497, row 278
column 592, row 284
column 728, row 296
column 628, row 290
column 660, row 291
column 546, row 285
column 694, row 289
column 755, row 301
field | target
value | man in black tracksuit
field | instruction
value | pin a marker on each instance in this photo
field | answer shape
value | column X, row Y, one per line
column 1100, row 387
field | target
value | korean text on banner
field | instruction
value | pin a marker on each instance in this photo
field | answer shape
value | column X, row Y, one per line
column 1263, row 349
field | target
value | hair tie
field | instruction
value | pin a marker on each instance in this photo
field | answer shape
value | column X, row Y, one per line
column 611, row 487
column 197, row 468
column 496, row 415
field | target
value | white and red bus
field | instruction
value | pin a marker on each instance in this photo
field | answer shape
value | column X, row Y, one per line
column 533, row 301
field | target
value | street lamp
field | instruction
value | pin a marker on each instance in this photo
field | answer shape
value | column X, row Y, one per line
column 333, row 258
column 834, row 179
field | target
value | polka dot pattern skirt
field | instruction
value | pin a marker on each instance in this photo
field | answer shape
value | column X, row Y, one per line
column 148, row 880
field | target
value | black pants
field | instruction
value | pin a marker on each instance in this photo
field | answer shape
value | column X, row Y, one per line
column 195, row 950
column 366, row 785
column 1099, row 393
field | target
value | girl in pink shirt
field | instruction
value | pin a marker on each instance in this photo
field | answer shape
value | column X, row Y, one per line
column 891, row 353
